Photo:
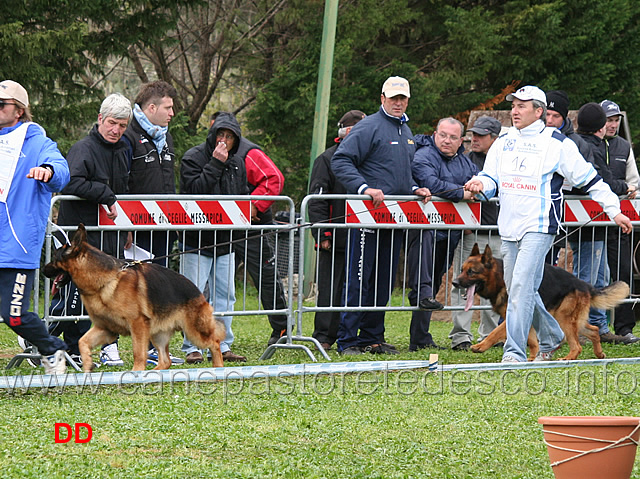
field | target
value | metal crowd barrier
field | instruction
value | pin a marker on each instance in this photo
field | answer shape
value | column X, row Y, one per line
column 164, row 214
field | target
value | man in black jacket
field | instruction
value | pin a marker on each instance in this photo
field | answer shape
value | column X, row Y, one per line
column 152, row 157
column 622, row 164
column 213, row 168
column 99, row 166
column 588, row 244
column 330, row 242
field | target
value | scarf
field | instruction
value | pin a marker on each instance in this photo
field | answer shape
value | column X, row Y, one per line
column 157, row 133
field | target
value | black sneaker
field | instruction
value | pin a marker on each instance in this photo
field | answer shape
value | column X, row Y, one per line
column 275, row 336
column 463, row 346
column 413, row 348
column 430, row 304
column 382, row 348
column 351, row 351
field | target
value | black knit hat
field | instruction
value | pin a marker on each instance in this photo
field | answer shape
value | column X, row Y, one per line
column 558, row 100
column 591, row 117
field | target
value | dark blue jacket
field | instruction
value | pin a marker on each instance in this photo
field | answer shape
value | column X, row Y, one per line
column 442, row 175
column 377, row 153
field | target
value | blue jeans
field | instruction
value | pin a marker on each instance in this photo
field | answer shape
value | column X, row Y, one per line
column 523, row 270
column 590, row 265
column 220, row 273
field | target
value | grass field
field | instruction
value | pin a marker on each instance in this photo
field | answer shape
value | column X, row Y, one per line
column 371, row 425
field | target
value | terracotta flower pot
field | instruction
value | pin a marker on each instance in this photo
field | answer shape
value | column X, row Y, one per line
column 591, row 446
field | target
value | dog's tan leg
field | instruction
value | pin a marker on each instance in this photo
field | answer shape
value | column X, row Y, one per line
column 161, row 342
column 593, row 334
column 140, row 343
column 496, row 336
column 216, row 355
column 532, row 342
column 92, row 338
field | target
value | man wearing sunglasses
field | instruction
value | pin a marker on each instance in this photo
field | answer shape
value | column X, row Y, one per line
column 31, row 169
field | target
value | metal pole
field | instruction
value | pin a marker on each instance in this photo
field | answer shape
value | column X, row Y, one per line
column 320, row 120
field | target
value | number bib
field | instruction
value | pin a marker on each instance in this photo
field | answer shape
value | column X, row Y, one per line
column 521, row 165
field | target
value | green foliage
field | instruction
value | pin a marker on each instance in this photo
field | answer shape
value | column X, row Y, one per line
column 456, row 55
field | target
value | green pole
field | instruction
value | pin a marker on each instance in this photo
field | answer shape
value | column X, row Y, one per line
column 323, row 95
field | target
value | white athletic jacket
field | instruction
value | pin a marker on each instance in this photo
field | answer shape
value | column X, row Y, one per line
column 527, row 168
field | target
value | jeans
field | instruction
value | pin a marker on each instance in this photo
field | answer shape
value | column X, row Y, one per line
column 590, row 265
column 220, row 273
column 523, row 270
column 461, row 331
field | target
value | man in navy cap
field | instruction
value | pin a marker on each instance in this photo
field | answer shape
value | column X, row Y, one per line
column 622, row 164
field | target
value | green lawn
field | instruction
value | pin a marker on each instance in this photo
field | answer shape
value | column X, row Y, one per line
column 369, row 425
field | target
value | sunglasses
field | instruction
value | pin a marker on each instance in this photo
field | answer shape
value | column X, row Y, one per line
column 4, row 103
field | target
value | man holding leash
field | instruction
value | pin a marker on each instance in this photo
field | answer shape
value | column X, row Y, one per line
column 526, row 168
column 31, row 169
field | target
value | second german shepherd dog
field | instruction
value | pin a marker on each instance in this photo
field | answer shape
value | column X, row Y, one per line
column 565, row 296
column 144, row 300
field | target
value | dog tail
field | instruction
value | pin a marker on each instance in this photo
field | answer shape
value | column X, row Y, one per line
column 611, row 296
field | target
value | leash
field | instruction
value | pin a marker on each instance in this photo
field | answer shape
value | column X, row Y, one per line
column 286, row 230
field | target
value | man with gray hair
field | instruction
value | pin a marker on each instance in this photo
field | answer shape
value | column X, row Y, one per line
column 99, row 167
column 441, row 166
column 484, row 132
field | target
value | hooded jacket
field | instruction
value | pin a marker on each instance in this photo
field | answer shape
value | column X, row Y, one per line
column 202, row 174
column 99, row 172
column 23, row 219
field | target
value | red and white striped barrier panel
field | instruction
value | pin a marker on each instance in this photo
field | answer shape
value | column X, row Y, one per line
column 174, row 212
column 582, row 211
column 412, row 212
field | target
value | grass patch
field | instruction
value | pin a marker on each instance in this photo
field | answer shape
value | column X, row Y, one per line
column 369, row 425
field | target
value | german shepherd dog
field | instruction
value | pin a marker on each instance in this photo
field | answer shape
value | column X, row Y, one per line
column 144, row 300
column 565, row 296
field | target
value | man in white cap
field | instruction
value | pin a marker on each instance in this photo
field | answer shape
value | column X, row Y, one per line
column 526, row 168
column 33, row 169
column 375, row 160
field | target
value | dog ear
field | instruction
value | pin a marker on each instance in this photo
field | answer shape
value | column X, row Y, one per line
column 80, row 236
column 475, row 251
column 487, row 256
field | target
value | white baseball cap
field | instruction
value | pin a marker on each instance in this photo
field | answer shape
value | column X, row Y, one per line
column 396, row 86
column 10, row 90
column 528, row 92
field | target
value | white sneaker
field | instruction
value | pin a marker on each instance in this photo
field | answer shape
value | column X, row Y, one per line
column 55, row 364
column 546, row 356
column 110, row 356
column 509, row 359
column 631, row 338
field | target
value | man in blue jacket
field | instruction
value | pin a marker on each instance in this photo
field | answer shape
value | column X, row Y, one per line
column 441, row 166
column 375, row 160
column 31, row 169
